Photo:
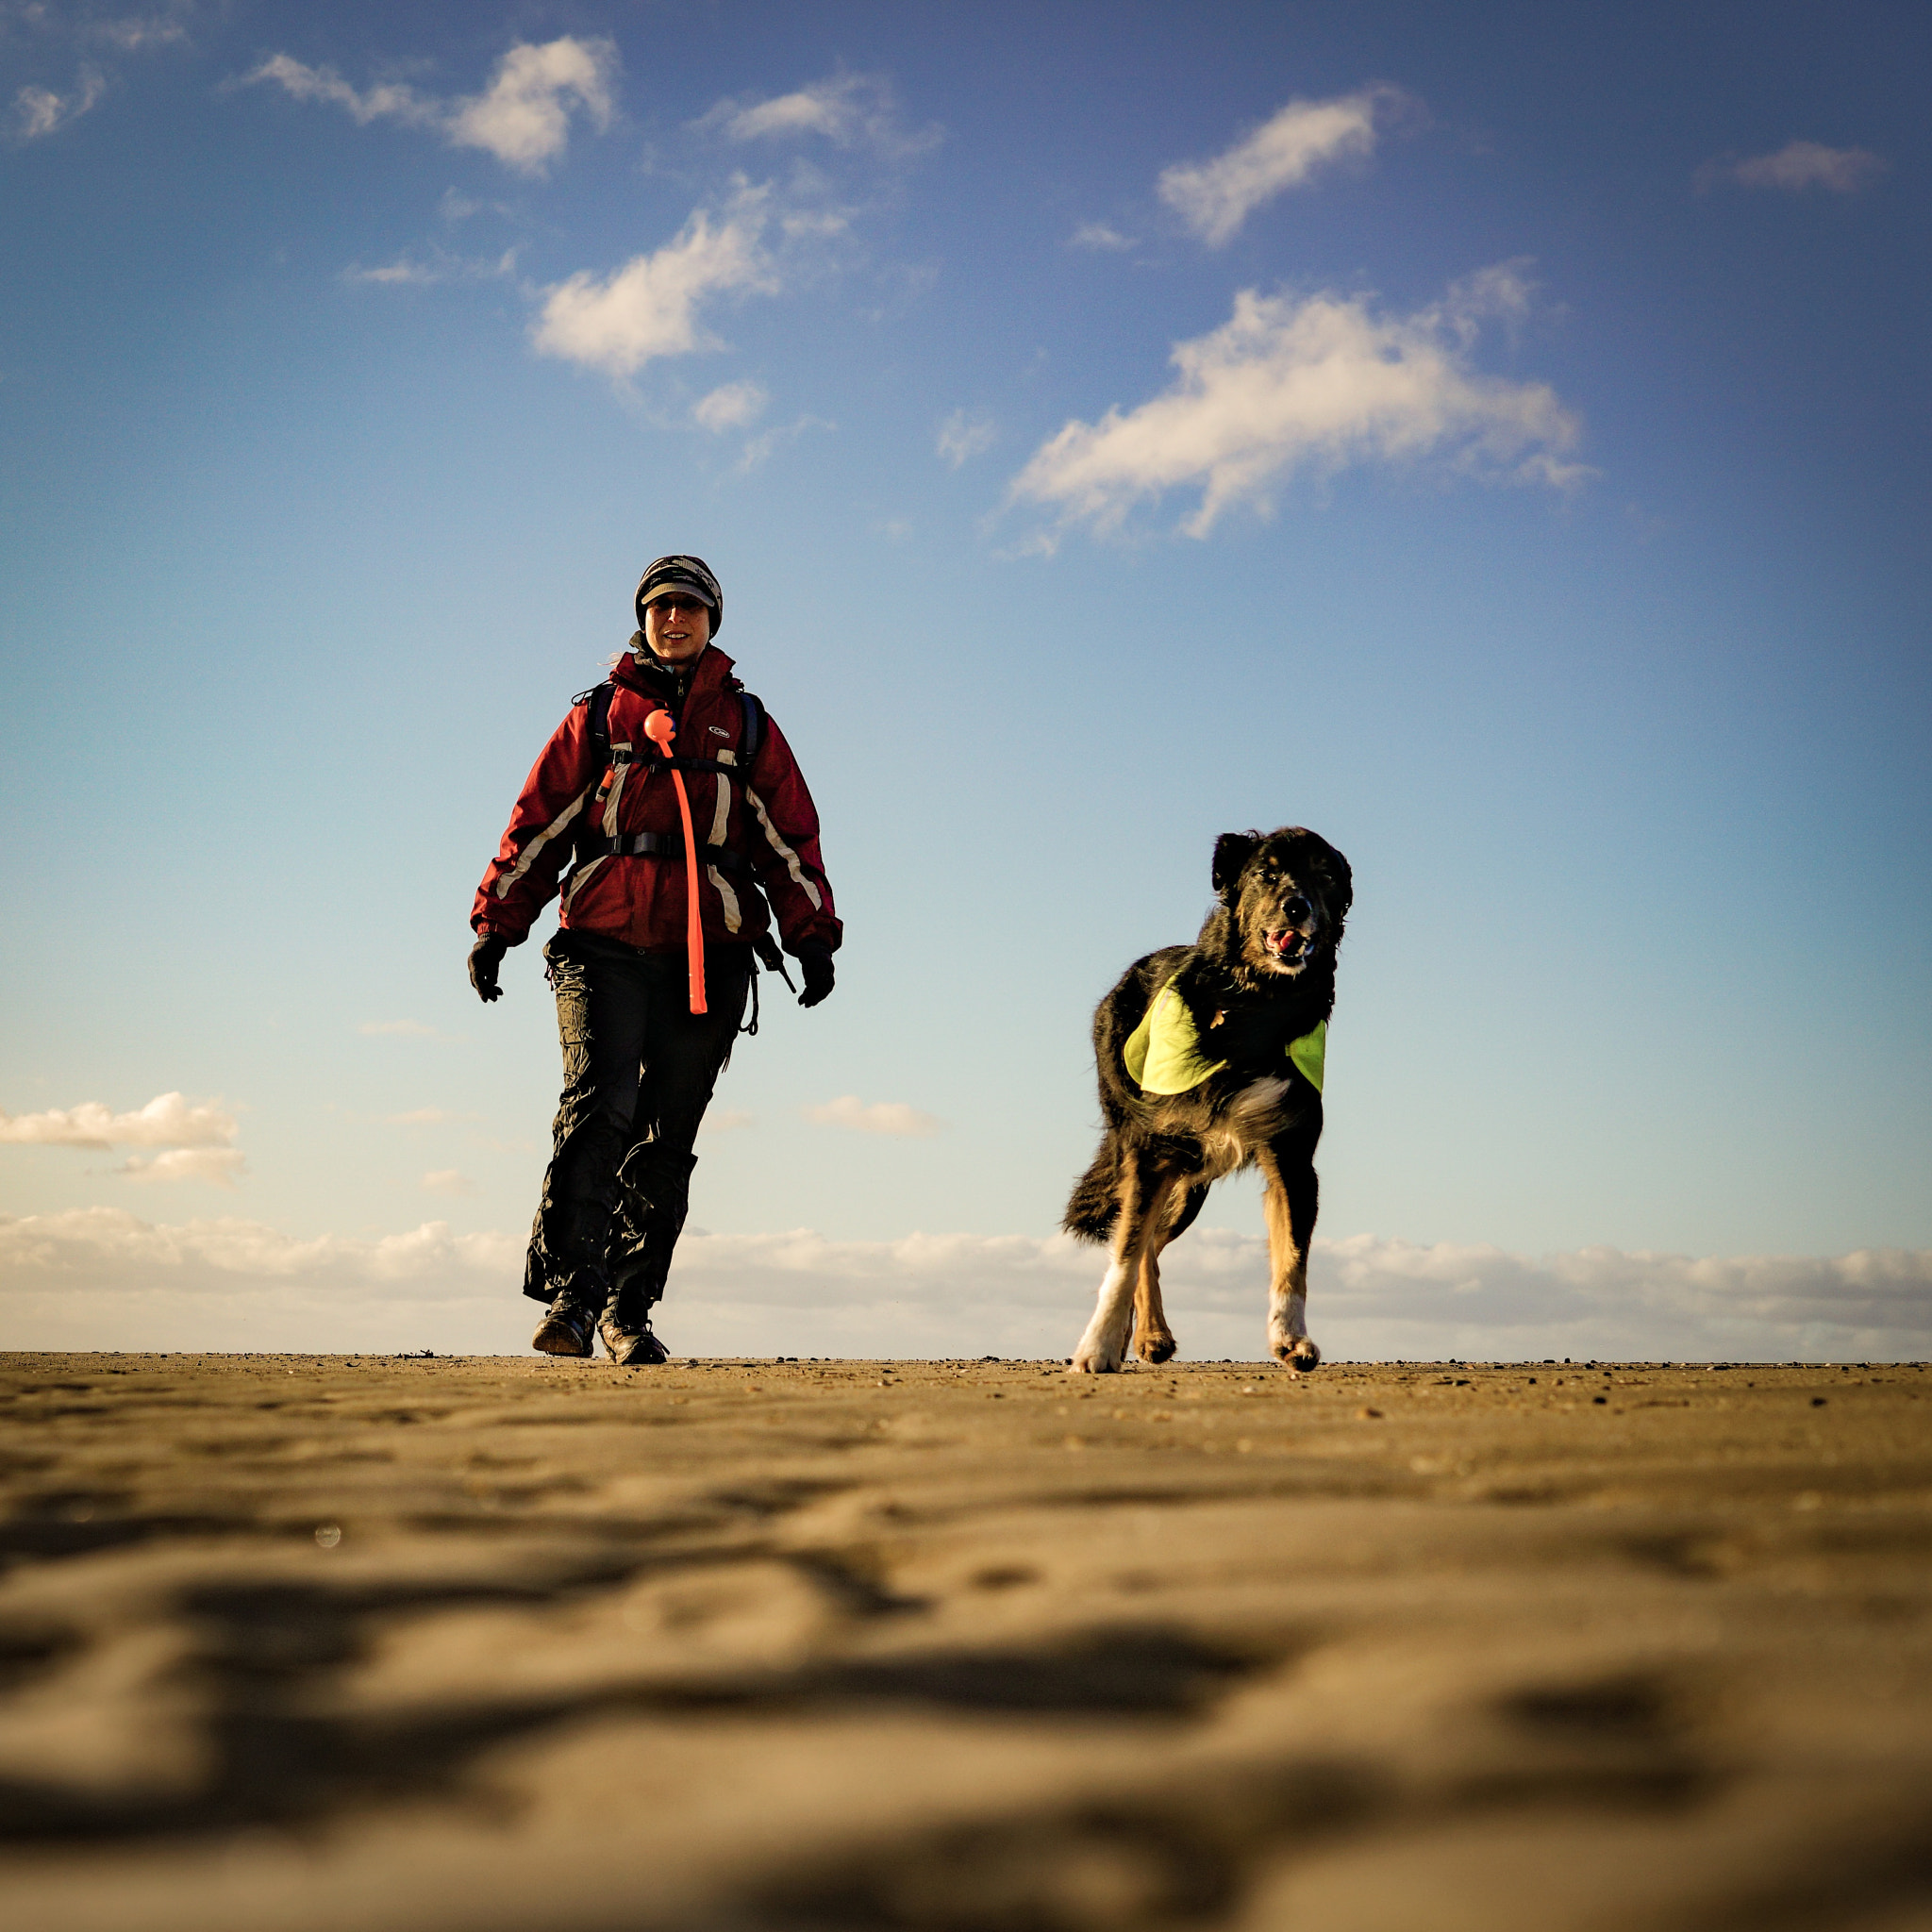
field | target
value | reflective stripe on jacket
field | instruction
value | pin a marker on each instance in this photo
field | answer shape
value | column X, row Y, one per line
column 766, row 815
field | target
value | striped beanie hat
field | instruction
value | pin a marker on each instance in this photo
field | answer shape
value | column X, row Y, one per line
column 690, row 573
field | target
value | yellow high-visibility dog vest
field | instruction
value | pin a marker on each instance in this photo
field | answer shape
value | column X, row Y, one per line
column 1163, row 1053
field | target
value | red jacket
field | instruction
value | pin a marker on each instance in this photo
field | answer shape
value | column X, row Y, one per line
column 766, row 816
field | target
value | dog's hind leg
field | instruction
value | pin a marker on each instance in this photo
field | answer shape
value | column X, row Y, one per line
column 1288, row 1204
column 1154, row 1340
column 1143, row 1198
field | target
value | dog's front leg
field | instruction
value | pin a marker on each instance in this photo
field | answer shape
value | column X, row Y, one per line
column 1290, row 1203
column 1104, row 1346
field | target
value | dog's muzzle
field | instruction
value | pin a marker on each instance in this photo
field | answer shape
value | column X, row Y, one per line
column 1287, row 945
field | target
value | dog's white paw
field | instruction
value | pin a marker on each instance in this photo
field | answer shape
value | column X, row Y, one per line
column 1297, row 1353
column 1093, row 1361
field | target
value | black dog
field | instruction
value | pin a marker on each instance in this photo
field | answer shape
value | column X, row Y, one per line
column 1210, row 1059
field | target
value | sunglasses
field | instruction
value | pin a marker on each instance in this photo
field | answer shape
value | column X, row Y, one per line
column 677, row 606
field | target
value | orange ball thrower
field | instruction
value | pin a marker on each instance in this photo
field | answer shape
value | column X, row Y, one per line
column 661, row 731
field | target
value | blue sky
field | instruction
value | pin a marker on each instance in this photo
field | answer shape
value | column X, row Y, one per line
column 1497, row 438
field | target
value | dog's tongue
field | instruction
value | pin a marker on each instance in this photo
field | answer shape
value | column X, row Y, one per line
column 1278, row 941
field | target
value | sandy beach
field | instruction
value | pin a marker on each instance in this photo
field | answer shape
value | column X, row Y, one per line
column 487, row 1643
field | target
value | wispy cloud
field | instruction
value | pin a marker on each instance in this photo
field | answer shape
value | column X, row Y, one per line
column 1215, row 197
column 166, row 1121
column 1099, row 237
column 1795, row 167
column 753, row 238
column 136, row 33
column 730, row 406
column 522, row 117
column 224, row 1166
column 39, row 111
column 447, row 1180
column 461, row 207
column 650, row 306
column 101, row 1276
column 847, row 109
column 962, row 437
column 728, row 1120
column 439, row 266
column 389, row 101
column 759, row 449
column 1326, row 381
column 881, row 1117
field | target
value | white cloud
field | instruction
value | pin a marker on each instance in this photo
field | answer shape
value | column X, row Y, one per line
column 101, row 1278
column 447, row 1180
column 826, row 107
column 522, row 117
column 221, row 1165
column 1319, row 380
column 881, row 1117
column 730, row 406
column 1799, row 165
column 1215, row 197
column 728, row 1120
column 166, row 1121
column 1097, row 235
column 849, row 109
column 649, row 308
column 39, row 111
column 1483, row 1301
column 962, row 437
column 119, row 1250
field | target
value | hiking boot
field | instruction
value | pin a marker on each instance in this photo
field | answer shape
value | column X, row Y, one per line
column 566, row 1330
column 627, row 1335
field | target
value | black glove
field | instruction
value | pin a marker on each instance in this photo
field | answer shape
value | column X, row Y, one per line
column 815, row 964
column 486, row 956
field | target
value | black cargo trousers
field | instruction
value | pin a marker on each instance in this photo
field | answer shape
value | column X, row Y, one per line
column 639, row 1067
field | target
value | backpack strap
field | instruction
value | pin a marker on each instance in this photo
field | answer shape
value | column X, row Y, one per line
column 599, row 697
column 753, row 737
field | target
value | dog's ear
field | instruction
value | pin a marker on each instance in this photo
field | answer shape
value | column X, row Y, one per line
column 1232, row 851
column 1344, row 890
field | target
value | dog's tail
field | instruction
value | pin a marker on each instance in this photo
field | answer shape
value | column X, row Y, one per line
column 1096, row 1202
